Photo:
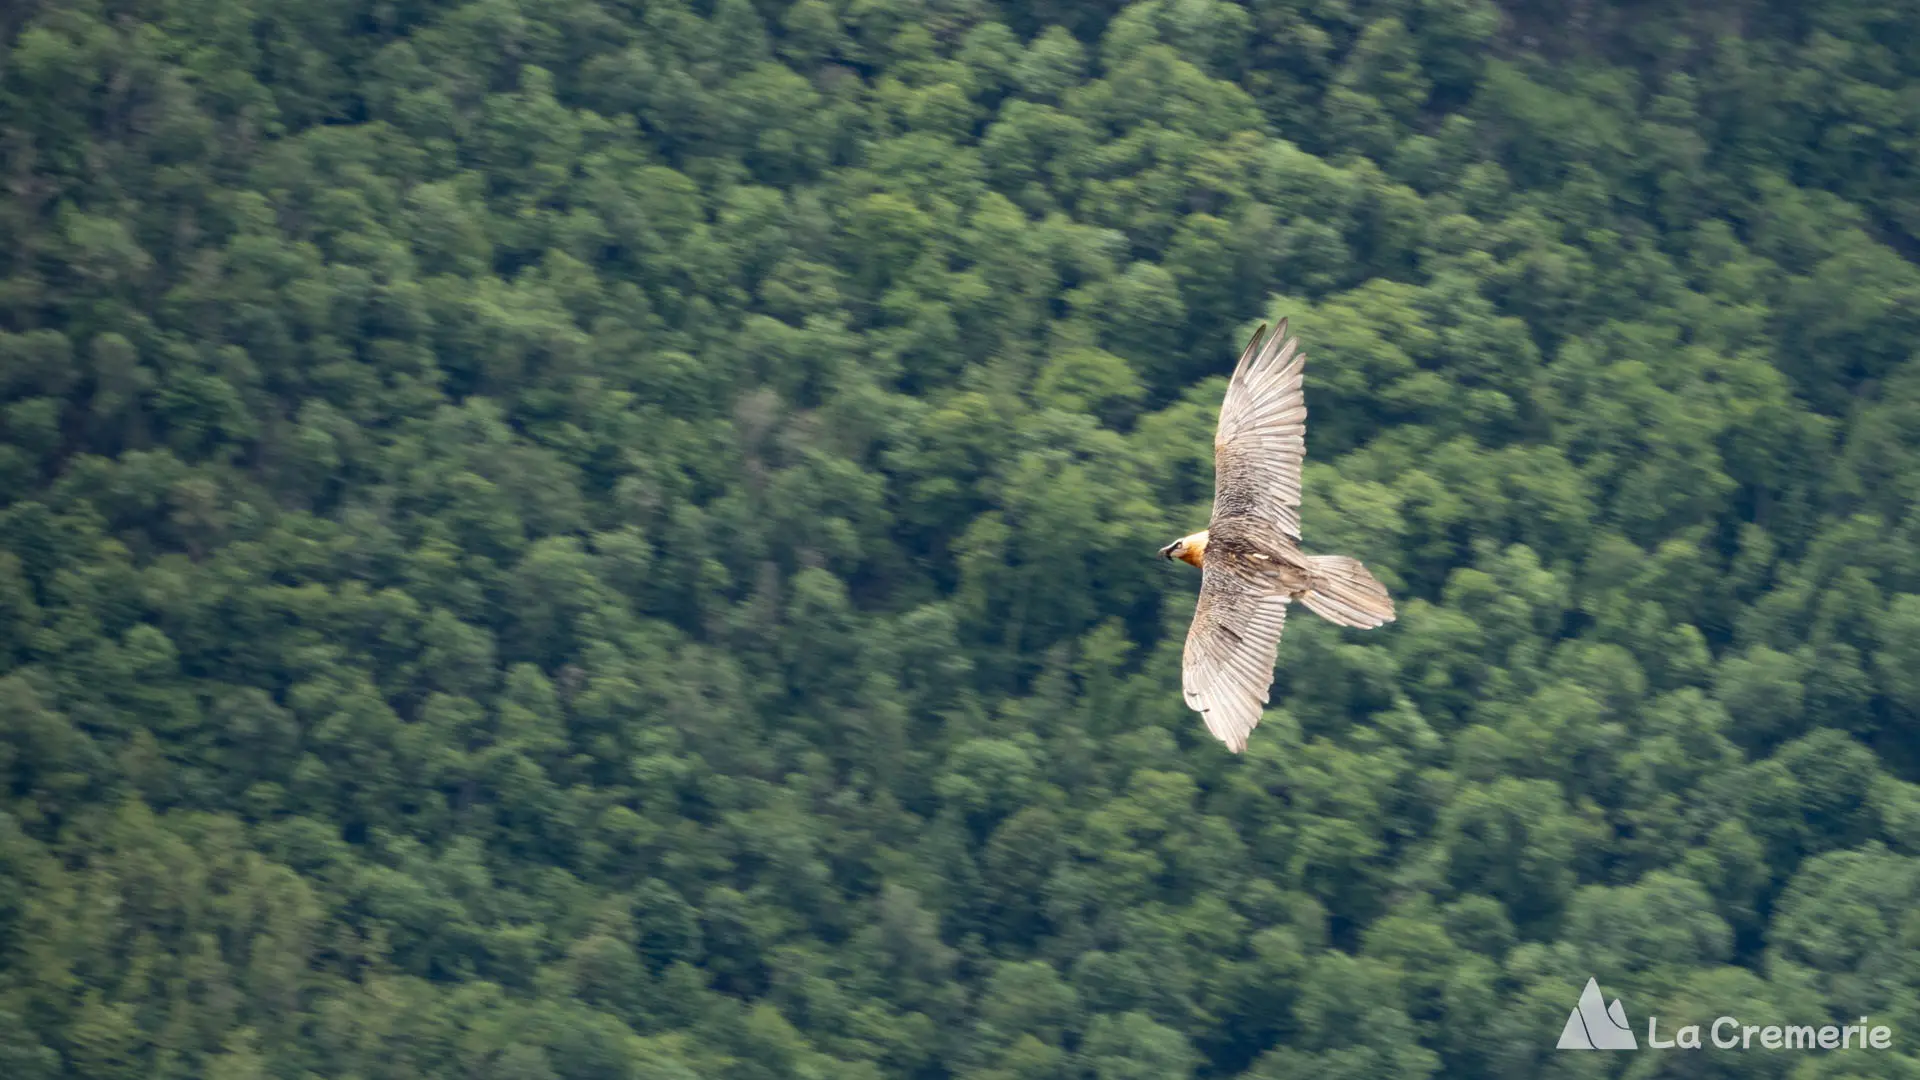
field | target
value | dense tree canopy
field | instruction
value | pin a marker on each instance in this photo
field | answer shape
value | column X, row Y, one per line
column 613, row 539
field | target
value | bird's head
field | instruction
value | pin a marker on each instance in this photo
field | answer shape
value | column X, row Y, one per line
column 1191, row 550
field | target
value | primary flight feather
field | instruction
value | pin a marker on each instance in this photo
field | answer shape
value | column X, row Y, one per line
column 1249, row 557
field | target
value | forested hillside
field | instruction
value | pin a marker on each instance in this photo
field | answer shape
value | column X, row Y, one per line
column 614, row 539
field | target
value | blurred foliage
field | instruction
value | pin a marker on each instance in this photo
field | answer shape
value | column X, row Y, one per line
column 613, row 539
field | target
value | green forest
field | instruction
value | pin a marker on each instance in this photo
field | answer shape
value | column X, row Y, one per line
column 615, row 539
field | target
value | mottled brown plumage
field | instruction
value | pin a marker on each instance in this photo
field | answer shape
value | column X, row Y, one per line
column 1251, row 565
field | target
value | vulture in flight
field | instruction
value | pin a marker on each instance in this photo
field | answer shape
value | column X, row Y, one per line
column 1249, row 557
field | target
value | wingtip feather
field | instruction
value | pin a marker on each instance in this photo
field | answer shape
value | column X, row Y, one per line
column 1252, row 350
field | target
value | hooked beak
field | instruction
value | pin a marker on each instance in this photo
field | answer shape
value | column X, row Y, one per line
column 1167, row 552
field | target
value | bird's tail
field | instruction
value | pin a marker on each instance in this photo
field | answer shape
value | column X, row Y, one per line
column 1342, row 591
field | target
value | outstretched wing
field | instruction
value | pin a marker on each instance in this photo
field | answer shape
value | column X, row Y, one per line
column 1261, row 442
column 1227, row 670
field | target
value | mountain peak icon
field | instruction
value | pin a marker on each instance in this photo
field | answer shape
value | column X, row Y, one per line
column 1594, row 1025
